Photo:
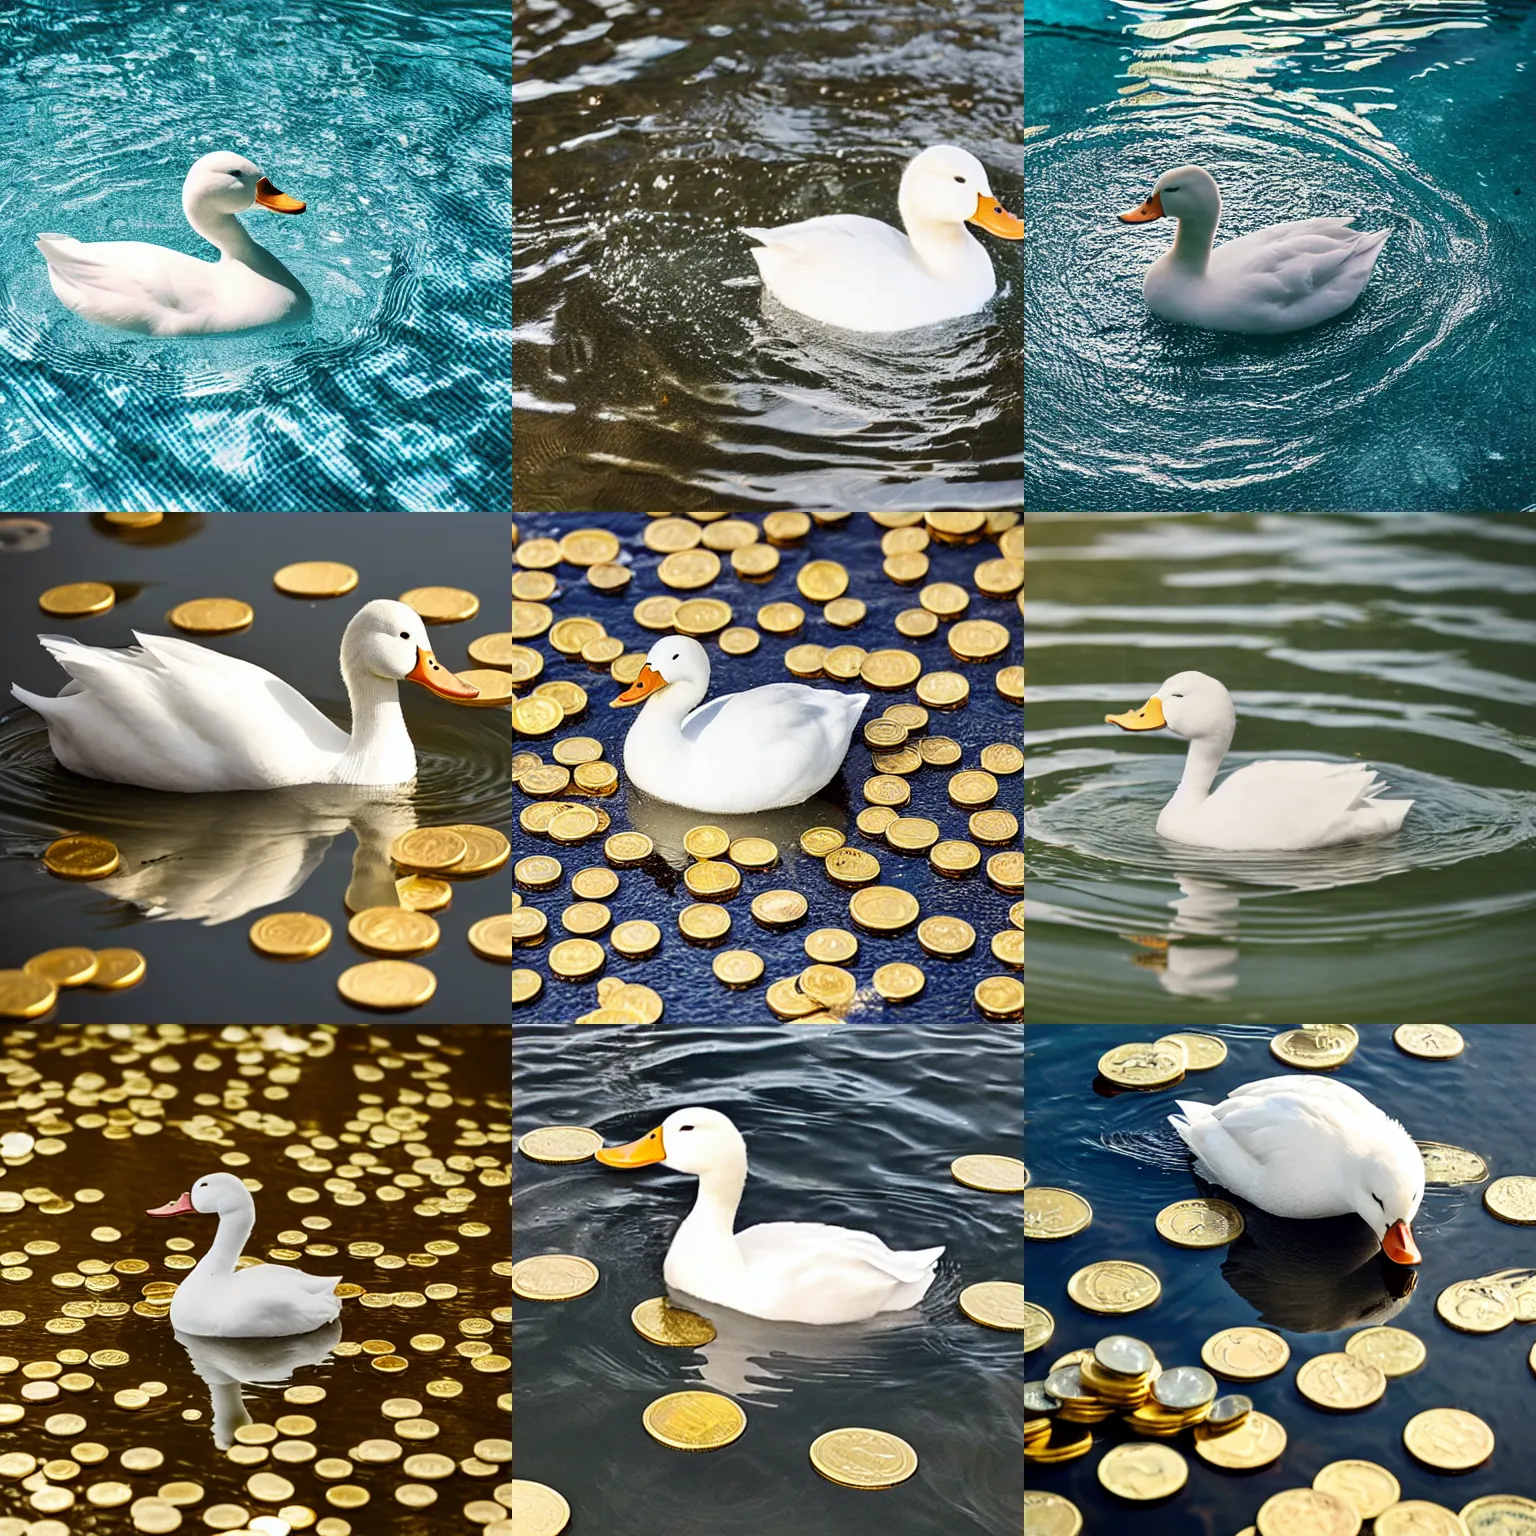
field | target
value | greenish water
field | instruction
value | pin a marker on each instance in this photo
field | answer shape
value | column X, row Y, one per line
column 1312, row 1282
column 1404, row 641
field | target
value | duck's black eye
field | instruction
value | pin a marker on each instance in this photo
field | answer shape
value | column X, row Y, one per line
column 685, row 1127
column 961, row 180
column 1379, row 1201
column 405, row 634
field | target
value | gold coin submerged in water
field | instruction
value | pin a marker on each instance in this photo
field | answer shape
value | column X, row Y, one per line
column 1143, row 1472
column 1051, row 1214
column 863, row 1458
column 81, row 857
column 1445, row 1164
column 1200, row 1223
column 989, row 1171
column 675, row 1327
column 290, row 935
column 1512, row 1199
column 1138, row 1065
column 694, row 1421
column 537, row 1510
column 995, row 1304
column 553, row 1277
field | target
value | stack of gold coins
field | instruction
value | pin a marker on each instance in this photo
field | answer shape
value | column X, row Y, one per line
column 1039, row 1415
column 1080, row 1403
column 1120, row 1371
column 1180, row 1398
column 1230, row 1411
column 1066, row 1443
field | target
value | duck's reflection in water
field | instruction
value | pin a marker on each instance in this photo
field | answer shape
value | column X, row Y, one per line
column 751, row 1357
column 667, row 825
column 1186, row 963
column 228, row 1364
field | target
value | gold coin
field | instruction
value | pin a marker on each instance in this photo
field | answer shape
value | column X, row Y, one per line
column 885, row 734
column 1315, row 1047
column 526, row 986
column 874, row 819
column 117, row 970
column 739, row 641
column 822, row 580
column 537, row 1510
column 956, row 527
column 887, row 789
column 537, row 554
column 575, row 750
column 1310, row 1510
column 25, row 996
column 671, row 534
column 212, row 616
column 852, row 866
column 831, row 946
column 738, row 967
column 553, row 1277
column 538, row 872
column 890, row 670
column 530, row 620
column 954, row 857
column 423, row 893
column 805, row 660
column 829, row 985
column 753, row 853
column 396, row 931
column 81, row 857
column 786, row 527
column 754, row 562
column 77, row 599
column 595, row 884
column 560, row 1143
column 573, row 824
column 1445, row 1164
column 993, row 826
column 585, row 917
column 1499, row 1514
column 491, row 937
column 989, row 1171
column 912, row 834
column 945, row 599
column 675, row 1327
column 972, row 788
column 882, row 908
column 845, row 613
column 1039, row 1325
column 609, row 577
column 898, row 981
column 1393, row 1351
column 1434, row 1042
column 528, row 927
column 1256, row 1442
column 544, row 779
column 1362, row 1485
column 497, row 649
column 977, row 640
column 636, row 938
column 689, row 569
column 1150, row 1065
column 569, row 635
column 71, row 966
column 1114, row 1286
column 133, row 519
column 787, row 1001
column 442, row 605
column 1419, row 1517
column 1050, row 1514
column 1512, row 1199
column 777, row 909
column 1200, row 1223
column 1245, row 1354
column 576, row 959
column 602, row 651
column 946, row 935
column 999, row 578
column 387, row 984
column 537, row 716
column 1340, row 1382
column 907, row 567
column 315, row 578
column 939, row 751
column 915, row 623
column 1006, row 870
column 1143, row 1472
column 493, row 687
column 427, row 850
column 1483, row 1305
column 1448, row 1439
column 734, row 533
column 694, row 1421
column 631, row 997
column 706, row 842
column 863, row 1458
column 704, row 922
column 1202, row 1052
column 995, row 1304
column 712, row 879
column 628, row 848
column 589, row 546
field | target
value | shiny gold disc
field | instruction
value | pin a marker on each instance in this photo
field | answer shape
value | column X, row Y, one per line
column 1420, row 1517
column 1244, row 1354
column 315, row 578
column 830, row 946
column 1512, row 1199
column 1445, row 1164
column 675, row 1327
column 829, row 985
column 1143, row 1472
column 995, row 1304
column 25, row 996
column 912, row 834
column 1448, row 1439
column 712, row 880
column 526, row 986
column 635, row 938
column 576, row 959
column 787, row 1001
column 629, row 848
column 1393, row 1351
column 387, row 984
column 71, row 966
column 1499, row 1514
column 1363, row 1485
column 1256, row 1442
column 946, row 936
column 899, row 981
column 212, row 616
column 553, row 1277
column 1050, row 1514
column 81, row 857
column 1200, row 1223
column 1483, row 1305
column 589, row 546
column 850, row 866
column 883, row 908
column 396, row 931
column 538, row 872
column 491, row 937
column 706, row 842
column 117, row 970
column 738, row 967
column 1433, row 1042
column 442, row 605
column 694, row 1421
column 1312, row 1511
column 753, row 853
column 1114, row 1286
column 704, row 922
column 560, row 1143
column 429, row 850
column 77, row 599
column 863, row 1458
column 1340, row 1382
column 989, row 1171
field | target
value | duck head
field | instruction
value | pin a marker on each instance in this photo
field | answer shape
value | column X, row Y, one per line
column 225, row 182
column 1189, row 704
column 1185, row 193
column 1386, row 1185
column 215, row 1194
column 675, row 659
column 948, row 185
column 697, row 1141
column 389, row 640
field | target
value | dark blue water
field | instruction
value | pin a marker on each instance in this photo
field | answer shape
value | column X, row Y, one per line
column 1313, row 1296
column 391, row 121
column 1397, row 112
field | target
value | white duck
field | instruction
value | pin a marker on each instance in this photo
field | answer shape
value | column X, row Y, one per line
column 753, row 751
column 1308, row 1147
column 176, row 716
column 1270, row 806
column 1283, row 277
column 863, row 275
column 264, row 1301
column 135, row 286
column 785, row 1271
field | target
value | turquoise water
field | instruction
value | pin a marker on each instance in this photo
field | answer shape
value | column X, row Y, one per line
column 391, row 121
column 1397, row 111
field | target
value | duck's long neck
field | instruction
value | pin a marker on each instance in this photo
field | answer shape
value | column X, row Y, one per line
column 379, row 736
column 662, row 715
column 225, row 231
column 1192, row 243
column 228, row 1244
column 710, row 1227
column 1201, row 763
column 944, row 246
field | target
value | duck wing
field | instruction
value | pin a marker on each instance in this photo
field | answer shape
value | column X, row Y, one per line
column 129, row 284
column 1291, row 264
column 802, row 1247
column 834, row 237
column 1311, row 803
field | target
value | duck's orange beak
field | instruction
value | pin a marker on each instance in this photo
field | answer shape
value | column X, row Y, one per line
column 1149, row 210
column 433, row 675
column 650, row 681
column 180, row 1207
column 1148, row 718
column 279, row 202
column 1399, row 1246
column 991, row 216
column 649, row 1149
